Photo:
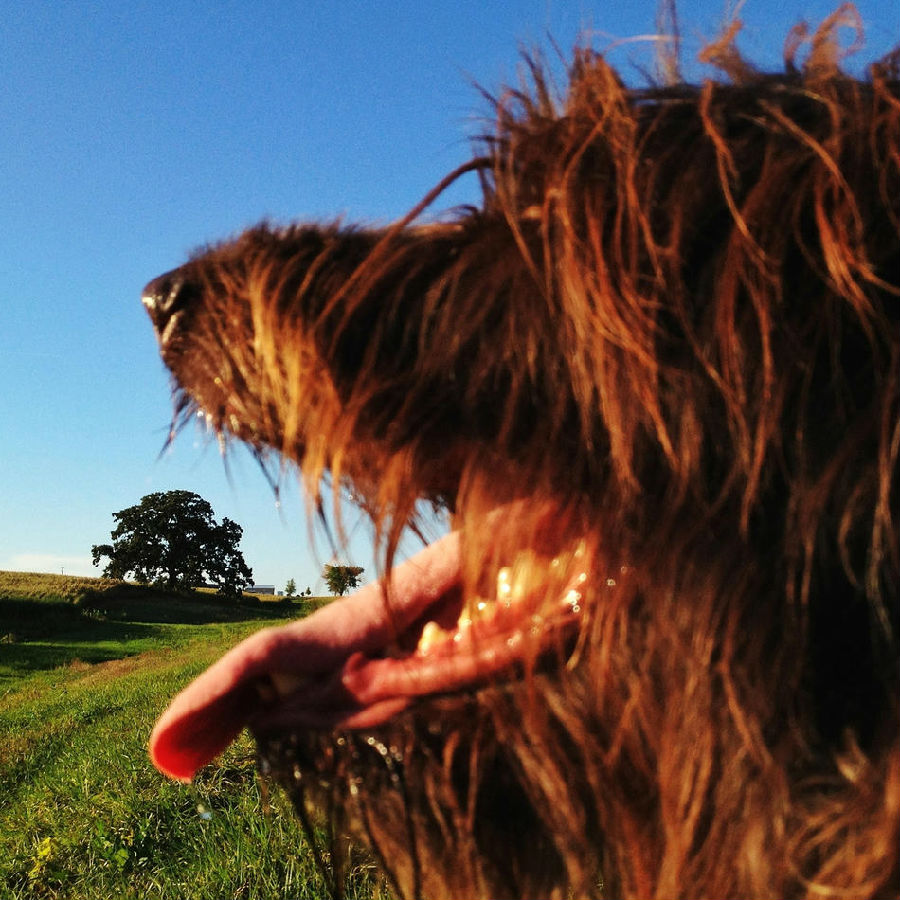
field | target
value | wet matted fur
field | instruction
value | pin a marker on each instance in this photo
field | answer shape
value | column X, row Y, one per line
column 663, row 357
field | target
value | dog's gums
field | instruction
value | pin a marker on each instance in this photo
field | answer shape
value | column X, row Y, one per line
column 507, row 614
column 652, row 380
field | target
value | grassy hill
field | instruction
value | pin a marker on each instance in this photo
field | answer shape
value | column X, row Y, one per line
column 48, row 621
column 86, row 666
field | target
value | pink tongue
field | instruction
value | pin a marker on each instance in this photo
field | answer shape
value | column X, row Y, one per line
column 209, row 714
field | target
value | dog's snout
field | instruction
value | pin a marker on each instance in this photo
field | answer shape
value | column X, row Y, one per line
column 166, row 296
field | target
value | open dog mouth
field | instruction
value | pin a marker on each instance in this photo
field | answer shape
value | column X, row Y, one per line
column 361, row 660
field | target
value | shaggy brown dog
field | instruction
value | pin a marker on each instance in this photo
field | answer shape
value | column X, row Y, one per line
column 654, row 378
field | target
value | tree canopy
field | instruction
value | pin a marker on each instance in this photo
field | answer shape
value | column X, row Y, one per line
column 172, row 539
column 341, row 579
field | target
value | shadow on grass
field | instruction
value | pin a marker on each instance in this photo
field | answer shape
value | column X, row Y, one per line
column 26, row 619
column 35, row 657
column 109, row 624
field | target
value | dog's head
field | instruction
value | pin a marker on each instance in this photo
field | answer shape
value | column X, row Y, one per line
column 654, row 379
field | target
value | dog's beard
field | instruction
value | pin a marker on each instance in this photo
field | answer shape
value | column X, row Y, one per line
column 436, row 728
column 446, row 796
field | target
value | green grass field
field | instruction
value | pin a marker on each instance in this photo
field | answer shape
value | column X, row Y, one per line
column 86, row 666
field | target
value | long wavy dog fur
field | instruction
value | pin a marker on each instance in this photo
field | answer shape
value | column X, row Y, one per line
column 663, row 356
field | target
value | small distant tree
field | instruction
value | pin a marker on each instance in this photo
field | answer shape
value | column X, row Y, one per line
column 171, row 539
column 308, row 591
column 341, row 579
column 290, row 589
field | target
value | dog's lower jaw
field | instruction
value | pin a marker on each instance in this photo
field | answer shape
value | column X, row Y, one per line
column 440, row 782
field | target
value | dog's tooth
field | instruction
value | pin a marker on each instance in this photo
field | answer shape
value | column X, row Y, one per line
column 463, row 624
column 528, row 575
column 514, row 582
column 476, row 610
column 432, row 634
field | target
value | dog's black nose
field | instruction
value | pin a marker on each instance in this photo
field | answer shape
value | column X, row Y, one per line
column 166, row 296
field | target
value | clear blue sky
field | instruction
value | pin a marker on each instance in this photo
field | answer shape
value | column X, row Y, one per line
column 132, row 132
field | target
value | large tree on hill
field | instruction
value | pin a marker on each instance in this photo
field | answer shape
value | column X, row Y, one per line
column 171, row 539
column 341, row 579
